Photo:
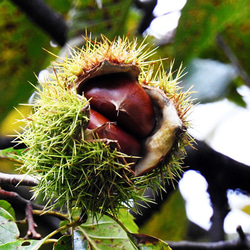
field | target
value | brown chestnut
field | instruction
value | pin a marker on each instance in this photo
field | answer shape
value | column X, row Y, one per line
column 105, row 129
column 121, row 98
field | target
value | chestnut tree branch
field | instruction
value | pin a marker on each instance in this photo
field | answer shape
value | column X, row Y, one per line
column 18, row 179
column 31, row 233
column 242, row 243
column 46, row 18
column 13, row 197
column 147, row 7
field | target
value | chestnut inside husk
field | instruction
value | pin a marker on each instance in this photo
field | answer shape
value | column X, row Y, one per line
column 141, row 119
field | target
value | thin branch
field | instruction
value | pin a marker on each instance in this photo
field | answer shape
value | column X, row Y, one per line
column 242, row 235
column 18, row 179
column 147, row 7
column 42, row 15
column 14, row 197
column 233, row 59
column 8, row 142
column 31, row 233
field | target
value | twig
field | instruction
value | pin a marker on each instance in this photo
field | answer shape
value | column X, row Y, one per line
column 41, row 14
column 31, row 233
column 235, row 62
column 18, row 179
column 9, row 141
column 147, row 8
column 242, row 235
column 14, row 197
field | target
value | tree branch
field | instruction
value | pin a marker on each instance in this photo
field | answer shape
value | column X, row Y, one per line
column 42, row 15
column 16, row 198
column 241, row 243
column 18, row 179
column 31, row 233
column 147, row 7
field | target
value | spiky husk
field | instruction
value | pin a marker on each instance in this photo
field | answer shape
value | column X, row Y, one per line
column 73, row 171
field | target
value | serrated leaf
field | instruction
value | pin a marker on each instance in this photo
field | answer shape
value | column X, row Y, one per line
column 106, row 234
column 64, row 243
column 8, row 228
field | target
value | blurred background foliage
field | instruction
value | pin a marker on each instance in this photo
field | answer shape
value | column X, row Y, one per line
column 170, row 222
column 212, row 72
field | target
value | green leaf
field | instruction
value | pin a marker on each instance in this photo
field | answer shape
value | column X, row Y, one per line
column 8, row 208
column 210, row 79
column 146, row 242
column 10, row 153
column 23, row 245
column 21, row 55
column 106, row 234
column 170, row 222
column 8, row 228
column 9, row 231
column 128, row 221
column 201, row 21
column 64, row 243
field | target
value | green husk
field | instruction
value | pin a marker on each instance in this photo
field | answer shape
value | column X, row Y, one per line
column 74, row 171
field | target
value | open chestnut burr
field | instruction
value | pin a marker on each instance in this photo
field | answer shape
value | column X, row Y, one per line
column 106, row 127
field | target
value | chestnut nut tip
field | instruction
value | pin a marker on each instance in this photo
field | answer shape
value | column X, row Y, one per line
column 122, row 99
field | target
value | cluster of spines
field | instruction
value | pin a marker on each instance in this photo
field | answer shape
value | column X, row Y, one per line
column 68, row 165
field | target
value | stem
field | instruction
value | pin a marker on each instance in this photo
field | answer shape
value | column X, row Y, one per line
column 52, row 213
column 65, row 227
